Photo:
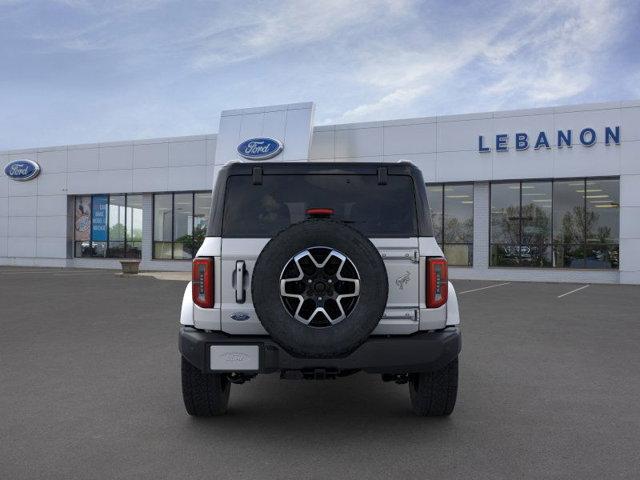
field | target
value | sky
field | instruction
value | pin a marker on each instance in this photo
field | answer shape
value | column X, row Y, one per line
column 77, row 71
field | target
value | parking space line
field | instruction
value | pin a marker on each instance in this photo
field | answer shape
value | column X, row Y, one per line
column 483, row 288
column 573, row 291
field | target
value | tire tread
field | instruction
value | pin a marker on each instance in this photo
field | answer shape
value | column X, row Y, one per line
column 204, row 394
column 434, row 394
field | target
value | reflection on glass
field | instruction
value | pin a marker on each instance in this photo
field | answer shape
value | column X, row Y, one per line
column 201, row 207
column 183, row 225
column 134, row 226
column 117, row 219
column 603, row 211
column 162, row 225
column 457, row 224
column 434, row 196
column 108, row 226
column 451, row 208
column 505, row 213
column 180, row 224
column 505, row 224
column 564, row 224
column 535, row 215
column 458, row 214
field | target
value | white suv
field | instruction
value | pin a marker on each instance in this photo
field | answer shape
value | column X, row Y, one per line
column 320, row 270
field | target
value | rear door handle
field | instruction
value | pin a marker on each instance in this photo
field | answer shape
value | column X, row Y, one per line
column 240, row 291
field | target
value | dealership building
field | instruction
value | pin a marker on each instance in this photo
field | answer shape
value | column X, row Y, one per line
column 547, row 194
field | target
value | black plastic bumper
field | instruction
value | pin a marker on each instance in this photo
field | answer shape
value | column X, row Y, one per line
column 420, row 352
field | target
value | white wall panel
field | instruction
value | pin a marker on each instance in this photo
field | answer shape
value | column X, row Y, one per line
column 251, row 125
column 463, row 166
column 21, row 246
column 22, row 206
column 596, row 119
column 297, row 136
column 463, row 135
column 115, row 181
column 117, row 157
column 630, row 124
column 151, row 155
column 358, row 142
column 51, row 247
column 83, row 159
column 228, row 138
column 273, row 125
column 629, row 157
column 4, row 182
column 630, row 191
column 211, row 150
column 150, row 179
column 188, row 153
column 52, row 226
column 322, row 145
column 52, row 183
column 52, row 161
column 51, row 205
column 84, row 182
column 630, row 222
column 409, row 139
column 528, row 163
column 581, row 161
column 22, row 227
column 188, row 178
column 22, row 189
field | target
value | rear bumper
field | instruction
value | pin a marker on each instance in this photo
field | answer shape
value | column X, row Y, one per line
column 420, row 352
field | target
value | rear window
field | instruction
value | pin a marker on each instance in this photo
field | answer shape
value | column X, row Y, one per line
column 263, row 210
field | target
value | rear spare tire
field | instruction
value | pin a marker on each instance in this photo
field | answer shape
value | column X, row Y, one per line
column 319, row 288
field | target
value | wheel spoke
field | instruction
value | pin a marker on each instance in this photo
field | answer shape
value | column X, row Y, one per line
column 315, row 271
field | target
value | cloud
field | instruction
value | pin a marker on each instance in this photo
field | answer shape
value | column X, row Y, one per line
column 126, row 69
column 555, row 63
column 287, row 25
column 542, row 53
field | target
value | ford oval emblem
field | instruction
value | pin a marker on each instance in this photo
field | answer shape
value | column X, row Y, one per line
column 260, row 148
column 240, row 316
column 22, row 170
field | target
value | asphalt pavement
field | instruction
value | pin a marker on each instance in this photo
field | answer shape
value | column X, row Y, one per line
column 90, row 389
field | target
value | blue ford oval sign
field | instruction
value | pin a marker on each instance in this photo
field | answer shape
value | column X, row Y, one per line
column 260, row 148
column 22, row 170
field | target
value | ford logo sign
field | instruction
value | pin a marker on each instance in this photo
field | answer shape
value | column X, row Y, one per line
column 260, row 148
column 239, row 316
column 22, row 170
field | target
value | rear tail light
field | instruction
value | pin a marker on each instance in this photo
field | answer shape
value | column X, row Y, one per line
column 202, row 282
column 437, row 282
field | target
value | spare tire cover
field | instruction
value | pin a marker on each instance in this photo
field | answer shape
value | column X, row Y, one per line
column 319, row 288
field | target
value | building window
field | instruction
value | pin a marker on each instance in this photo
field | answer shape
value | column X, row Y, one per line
column 451, row 208
column 179, row 224
column 108, row 226
column 565, row 224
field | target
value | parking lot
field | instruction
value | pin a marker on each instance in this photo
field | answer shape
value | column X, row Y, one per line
column 90, row 388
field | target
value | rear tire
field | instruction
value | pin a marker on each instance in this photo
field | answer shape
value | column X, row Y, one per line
column 433, row 394
column 204, row 394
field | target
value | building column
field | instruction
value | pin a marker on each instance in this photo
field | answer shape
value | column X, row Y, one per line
column 481, row 215
column 629, row 229
column 147, row 227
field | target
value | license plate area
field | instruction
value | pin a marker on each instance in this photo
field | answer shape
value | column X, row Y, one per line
column 234, row 358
